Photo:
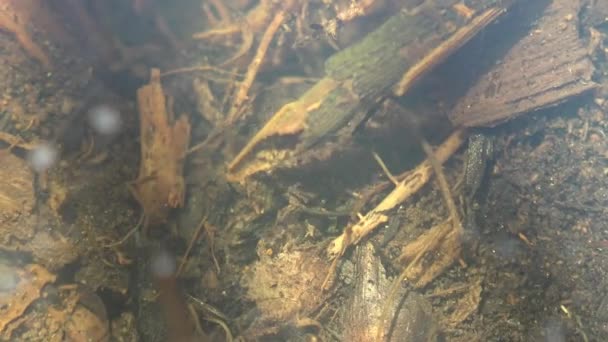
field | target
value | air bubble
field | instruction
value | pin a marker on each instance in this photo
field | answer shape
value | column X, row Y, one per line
column 43, row 157
column 105, row 120
column 163, row 265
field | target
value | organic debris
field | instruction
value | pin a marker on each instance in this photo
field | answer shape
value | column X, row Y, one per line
column 286, row 287
column 20, row 229
column 256, row 19
column 410, row 183
column 23, row 288
column 465, row 305
column 160, row 185
column 241, row 98
column 16, row 187
column 16, row 141
column 67, row 312
column 324, row 118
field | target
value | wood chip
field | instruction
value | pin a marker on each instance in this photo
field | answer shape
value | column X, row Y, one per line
column 547, row 66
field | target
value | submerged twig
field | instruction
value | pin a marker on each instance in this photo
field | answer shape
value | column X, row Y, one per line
column 443, row 183
column 195, row 237
column 241, row 95
column 385, row 169
column 406, row 187
column 199, row 68
column 129, row 233
column 446, row 234
column 17, row 141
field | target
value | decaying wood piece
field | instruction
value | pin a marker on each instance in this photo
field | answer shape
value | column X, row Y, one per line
column 413, row 318
column 547, row 66
column 356, row 78
column 160, row 184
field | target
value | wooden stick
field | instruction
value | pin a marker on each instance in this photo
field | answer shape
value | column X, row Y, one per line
column 241, row 94
column 385, row 169
column 406, row 188
column 193, row 240
column 17, row 141
column 129, row 233
column 198, row 68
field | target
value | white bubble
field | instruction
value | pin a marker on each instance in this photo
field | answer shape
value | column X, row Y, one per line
column 8, row 278
column 42, row 157
column 163, row 265
column 105, row 119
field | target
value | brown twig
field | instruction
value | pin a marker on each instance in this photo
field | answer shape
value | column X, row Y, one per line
column 385, row 169
column 128, row 235
column 443, row 183
column 198, row 68
column 241, row 95
column 16, row 141
column 210, row 231
column 194, row 238
column 406, row 188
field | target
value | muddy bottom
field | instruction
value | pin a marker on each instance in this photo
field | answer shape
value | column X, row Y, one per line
column 542, row 231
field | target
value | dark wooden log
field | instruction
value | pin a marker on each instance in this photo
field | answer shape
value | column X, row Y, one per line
column 409, row 43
